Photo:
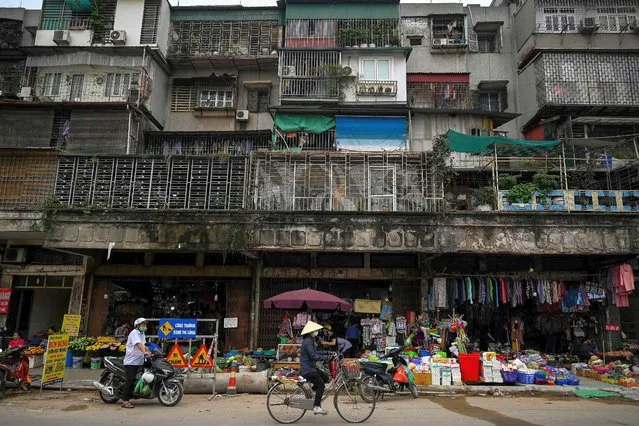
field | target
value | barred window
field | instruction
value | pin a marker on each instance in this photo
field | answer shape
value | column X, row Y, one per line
column 118, row 84
column 52, row 83
column 487, row 42
column 258, row 100
column 183, row 98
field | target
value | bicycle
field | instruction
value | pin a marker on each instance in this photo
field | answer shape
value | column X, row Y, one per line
column 353, row 399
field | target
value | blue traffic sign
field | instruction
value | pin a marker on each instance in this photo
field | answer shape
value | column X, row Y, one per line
column 172, row 328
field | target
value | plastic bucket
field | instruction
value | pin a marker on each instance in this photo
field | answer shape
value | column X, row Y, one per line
column 96, row 363
column 470, row 365
column 69, row 360
column 77, row 361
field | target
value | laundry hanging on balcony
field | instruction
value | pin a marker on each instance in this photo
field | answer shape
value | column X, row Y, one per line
column 487, row 145
column 371, row 133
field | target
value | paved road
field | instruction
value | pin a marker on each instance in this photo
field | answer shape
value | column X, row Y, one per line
column 78, row 408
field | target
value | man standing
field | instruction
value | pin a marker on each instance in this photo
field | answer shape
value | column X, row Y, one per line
column 352, row 335
column 134, row 359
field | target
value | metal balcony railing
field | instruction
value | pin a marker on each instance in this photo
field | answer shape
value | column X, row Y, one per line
column 65, row 24
column 377, row 87
column 310, row 88
column 332, row 33
column 440, row 95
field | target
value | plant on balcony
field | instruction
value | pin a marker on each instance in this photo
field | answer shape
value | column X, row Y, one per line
column 347, row 37
column 485, row 198
column 97, row 23
column 506, row 182
column 394, row 40
column 340, row 78
column 522, row 193
column 440, row 159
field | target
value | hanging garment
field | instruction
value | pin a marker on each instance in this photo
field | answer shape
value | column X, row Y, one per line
column 503, row 291
column 497, row 292
column 482, row 291
column 469, row 289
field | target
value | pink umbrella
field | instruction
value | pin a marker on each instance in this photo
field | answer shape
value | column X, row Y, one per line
column 307, row 299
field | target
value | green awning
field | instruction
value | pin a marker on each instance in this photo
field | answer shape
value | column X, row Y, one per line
column 79, row 5
column 304, row 123
column 459, row 142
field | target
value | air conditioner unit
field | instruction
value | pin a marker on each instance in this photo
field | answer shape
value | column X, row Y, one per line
column 288, row 71
column 633, row 28
column 440, row 41
column 15, row 255
column 25, row 92
column 118, row 37
column 348, row 71
column 61, row 37
column 242, row 115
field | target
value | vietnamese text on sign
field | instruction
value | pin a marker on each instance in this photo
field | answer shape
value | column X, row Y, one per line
column 171, row 328
column 55, row 359
column 5, row 296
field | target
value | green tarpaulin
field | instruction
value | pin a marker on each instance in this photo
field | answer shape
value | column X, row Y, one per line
column 486, row 145
column 304, row 123
column 594, row 393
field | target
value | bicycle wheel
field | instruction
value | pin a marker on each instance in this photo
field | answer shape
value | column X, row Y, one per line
column 354, row 401
column 278, row 400
column 372, row 381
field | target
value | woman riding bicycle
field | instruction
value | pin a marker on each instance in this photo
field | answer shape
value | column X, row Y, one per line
column 308, row 357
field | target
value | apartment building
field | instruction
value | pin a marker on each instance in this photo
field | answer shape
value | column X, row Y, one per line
column 202, row 159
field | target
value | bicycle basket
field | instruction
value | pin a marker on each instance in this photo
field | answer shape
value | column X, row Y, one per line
column 351, row 369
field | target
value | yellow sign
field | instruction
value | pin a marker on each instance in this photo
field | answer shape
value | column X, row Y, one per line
column 175, row 357
column 166, row 328
column 71, row 324
column 55, row 359
column 201, row 359
column 366, row 306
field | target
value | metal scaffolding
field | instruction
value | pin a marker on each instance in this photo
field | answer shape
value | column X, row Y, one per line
column 344, row 182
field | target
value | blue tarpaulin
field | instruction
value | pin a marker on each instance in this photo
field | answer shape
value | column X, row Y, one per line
column 371, row 133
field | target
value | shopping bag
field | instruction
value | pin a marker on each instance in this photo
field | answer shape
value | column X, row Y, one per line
column 400, row 375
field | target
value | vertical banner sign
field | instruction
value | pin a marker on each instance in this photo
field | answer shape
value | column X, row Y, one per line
column 71, row 324
column 5, row 295
column 55, row 360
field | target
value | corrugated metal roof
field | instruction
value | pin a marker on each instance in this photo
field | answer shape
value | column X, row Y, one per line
column 213, row 13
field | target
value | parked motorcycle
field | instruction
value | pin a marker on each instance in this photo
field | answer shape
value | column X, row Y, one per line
column 14, row 370
column 158, row 381
column 384, row 378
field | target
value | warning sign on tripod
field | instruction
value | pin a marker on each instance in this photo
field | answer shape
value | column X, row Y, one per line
column 201, row 359
column 176, row 358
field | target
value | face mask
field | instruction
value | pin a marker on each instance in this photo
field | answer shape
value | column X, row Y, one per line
column 143, row 329
column 315, row 333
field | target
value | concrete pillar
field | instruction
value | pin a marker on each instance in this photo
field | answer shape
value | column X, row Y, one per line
column 75, row 301
column 5, row 282
column 255, row 302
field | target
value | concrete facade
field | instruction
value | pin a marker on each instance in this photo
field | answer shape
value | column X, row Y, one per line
column 522, row 234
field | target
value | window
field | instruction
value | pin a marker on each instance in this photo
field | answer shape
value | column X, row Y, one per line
column 119, row 84
column 258, row 100
column 77, row 82
column 216, row 98
column 52, row 84
column 415, row 41
column 560, row 19
column 490, row 101
column 451, row 27
column 376, row 69
column 616, row 22
column 382, row 188
column 487, row 42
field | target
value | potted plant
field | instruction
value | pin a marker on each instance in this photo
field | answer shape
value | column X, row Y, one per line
column 522, row 193
column 485, row 198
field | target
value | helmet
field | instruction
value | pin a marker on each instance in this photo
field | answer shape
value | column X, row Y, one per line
column 311, row 327
column 148, row 377
column 139, row 321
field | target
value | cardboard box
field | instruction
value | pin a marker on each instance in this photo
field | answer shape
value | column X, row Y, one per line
column 447, row 377
column 436, row 374
column 423, row 379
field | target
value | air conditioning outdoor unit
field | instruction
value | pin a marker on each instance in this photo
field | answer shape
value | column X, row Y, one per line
column 25, row 92
column 440, row 41
column 118, row 37
column 242, row 115
column 15, row 255
column 61, row 37
column 288, row 71
column 634, row 27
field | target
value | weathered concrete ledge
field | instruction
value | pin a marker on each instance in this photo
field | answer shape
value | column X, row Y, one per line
column 489, row 233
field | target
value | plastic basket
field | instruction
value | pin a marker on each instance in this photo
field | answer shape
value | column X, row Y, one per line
column 526, row 378
column 509, row 376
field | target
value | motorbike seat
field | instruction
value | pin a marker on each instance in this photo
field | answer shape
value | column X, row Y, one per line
column 378, row 367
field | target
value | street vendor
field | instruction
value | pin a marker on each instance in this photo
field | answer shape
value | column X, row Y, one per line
column 17, row 341
column 329, row 340
column 308, row 357
column 589, row 348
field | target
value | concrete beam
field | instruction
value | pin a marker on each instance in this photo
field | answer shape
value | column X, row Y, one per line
column 48, row 270
column 172, row 270
column 481, row 233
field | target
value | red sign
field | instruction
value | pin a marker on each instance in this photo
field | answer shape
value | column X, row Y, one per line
column 613, row 327
column 5, row 295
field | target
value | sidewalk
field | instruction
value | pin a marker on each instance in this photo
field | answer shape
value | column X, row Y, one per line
column 83, row 378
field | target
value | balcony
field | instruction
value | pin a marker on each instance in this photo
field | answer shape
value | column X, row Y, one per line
column 70, row 23
column 448, row 33
column 341, row 33
column 206, row 143
column 376, row 88
column 444, row 96
column 310, row 89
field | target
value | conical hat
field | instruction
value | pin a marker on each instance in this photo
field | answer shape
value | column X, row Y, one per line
column 311, row 327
